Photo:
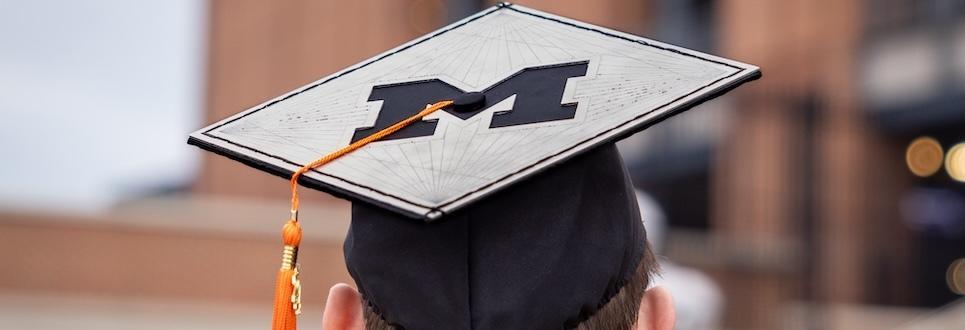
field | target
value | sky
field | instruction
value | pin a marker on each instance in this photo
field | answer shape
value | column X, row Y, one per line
column 97, row 99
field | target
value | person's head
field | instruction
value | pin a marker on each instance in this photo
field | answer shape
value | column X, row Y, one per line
column 634, row 307
column 565, row 248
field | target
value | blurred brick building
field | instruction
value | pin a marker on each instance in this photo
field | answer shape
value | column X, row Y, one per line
column 788, row 191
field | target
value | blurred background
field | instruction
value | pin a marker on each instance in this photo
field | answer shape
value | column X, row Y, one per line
column 828, row 195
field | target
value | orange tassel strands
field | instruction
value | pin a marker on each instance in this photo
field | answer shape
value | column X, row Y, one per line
column 288, row 289
column 288, row 286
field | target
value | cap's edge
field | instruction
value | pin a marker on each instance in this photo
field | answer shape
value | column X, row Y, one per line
column 425, row 214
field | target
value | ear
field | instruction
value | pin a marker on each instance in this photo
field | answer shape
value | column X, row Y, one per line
column 656, row 310
column 343, row 310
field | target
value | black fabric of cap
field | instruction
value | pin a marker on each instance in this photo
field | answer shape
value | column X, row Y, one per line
column 545, row 253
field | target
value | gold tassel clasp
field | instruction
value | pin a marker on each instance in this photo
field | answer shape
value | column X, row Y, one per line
column 288, row 261
column 296, row 298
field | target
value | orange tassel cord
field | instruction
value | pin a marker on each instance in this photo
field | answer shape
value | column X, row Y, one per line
column 288, row 285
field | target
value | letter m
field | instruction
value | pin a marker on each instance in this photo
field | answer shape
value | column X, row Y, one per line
column 538, row 90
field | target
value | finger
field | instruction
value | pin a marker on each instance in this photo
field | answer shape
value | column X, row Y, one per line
column 343, row 310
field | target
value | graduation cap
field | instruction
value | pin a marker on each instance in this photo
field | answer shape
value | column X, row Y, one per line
column 486, row 189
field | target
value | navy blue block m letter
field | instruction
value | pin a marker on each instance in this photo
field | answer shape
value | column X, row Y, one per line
column 538, row 90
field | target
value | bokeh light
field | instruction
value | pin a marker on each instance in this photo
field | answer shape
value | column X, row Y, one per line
column 924, row 156
column 955, row 162
column 956, row 276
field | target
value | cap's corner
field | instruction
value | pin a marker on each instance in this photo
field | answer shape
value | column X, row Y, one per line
column 193, row 140
column 433, row 215
column 757, row 73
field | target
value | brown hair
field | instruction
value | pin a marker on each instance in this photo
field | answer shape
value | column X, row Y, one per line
column 619, row 313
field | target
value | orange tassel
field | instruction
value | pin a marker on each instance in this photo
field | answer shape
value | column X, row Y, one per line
column 287, row 286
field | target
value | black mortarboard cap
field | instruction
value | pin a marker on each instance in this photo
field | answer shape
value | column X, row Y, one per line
column 509, row 209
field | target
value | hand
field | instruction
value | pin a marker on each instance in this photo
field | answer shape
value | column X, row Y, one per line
column 343, row 310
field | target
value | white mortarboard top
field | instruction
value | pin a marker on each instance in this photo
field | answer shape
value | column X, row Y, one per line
column 553, row 87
